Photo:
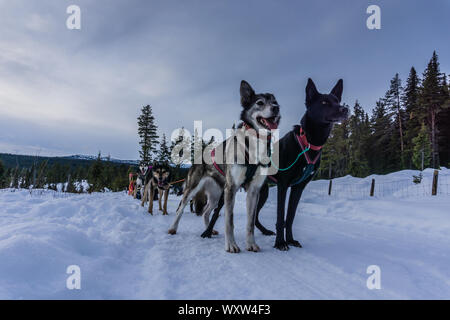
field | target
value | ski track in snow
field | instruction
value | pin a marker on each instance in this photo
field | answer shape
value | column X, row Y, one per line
column 125, row 253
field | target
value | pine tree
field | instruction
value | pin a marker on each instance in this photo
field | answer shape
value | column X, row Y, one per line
column 27, row 177
column 359, row 131
column 422, row 149
column 411, row 104
column 108, row 174
column 164, row 151
column 95, row 174
column 40, row 179
column 196, row 148
column 393, row 105
column 335, row 154
column 147, row 131
column 443, row 125
column 2, row 175
column 381, row 127
column 432, row 101
column 7, row 178
column 71, row 188
column 181, row 144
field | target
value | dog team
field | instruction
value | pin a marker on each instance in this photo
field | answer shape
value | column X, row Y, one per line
column 213, row 184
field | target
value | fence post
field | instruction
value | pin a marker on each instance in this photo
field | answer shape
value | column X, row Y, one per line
column 372, row 188
column 329, row 187
column 435, row 183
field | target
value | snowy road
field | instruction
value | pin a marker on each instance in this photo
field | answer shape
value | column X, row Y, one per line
column 125, row 253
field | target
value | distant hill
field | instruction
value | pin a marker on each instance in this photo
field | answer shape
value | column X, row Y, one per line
column 26, row 161
column 85, row 157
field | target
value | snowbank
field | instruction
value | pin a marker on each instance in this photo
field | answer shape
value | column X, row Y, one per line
column 125, row 253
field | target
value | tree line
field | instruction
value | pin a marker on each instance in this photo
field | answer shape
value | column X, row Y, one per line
column 409, row 128
column 100, row 174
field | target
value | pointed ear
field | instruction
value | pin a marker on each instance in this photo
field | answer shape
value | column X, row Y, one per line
column 311, row 91
column 337, row 90
column 247, row 94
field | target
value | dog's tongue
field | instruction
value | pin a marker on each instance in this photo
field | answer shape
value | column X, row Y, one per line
column 270, row 125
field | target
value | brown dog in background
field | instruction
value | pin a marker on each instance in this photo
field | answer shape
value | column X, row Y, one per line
column 159, row 180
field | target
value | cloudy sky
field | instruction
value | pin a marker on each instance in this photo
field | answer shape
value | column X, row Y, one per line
column 68, row 92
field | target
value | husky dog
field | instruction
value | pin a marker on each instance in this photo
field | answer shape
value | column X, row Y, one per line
column 141, row 180
column 220, row 182
column 159, row 180
column 322, row 111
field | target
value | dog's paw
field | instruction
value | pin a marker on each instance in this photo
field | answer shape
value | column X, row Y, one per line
column 253, row 247
column 165, row 213
column 172, row 231
column 294, row 243
column 209, row 234
column 232, row 248
column 206, row 234
column 268, row 232
column 281, row 245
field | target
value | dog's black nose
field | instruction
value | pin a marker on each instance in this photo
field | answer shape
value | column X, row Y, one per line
column 343, row 109
column 275, row 109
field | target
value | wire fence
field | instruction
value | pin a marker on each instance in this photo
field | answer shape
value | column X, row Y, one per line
column 384, row 187
column 404, row 188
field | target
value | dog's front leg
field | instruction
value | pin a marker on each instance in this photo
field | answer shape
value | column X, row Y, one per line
column 166, row 195
column 150, row 202
column 160, row 193
column 280, row 243
column 144, row 194
column 252, row 200
column 229, row 197
column 294, row 198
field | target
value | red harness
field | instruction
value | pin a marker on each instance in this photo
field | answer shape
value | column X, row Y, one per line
column 213, row 152
column 303, row 142
column 213, row 158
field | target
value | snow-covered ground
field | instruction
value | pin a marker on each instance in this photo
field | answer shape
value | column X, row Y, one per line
column 125, row 253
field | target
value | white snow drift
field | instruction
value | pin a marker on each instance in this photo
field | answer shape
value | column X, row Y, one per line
column 125, row 253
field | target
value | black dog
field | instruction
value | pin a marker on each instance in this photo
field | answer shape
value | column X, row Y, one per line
column 322, row 111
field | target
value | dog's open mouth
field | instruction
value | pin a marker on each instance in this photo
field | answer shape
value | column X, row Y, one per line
column 268, row 123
